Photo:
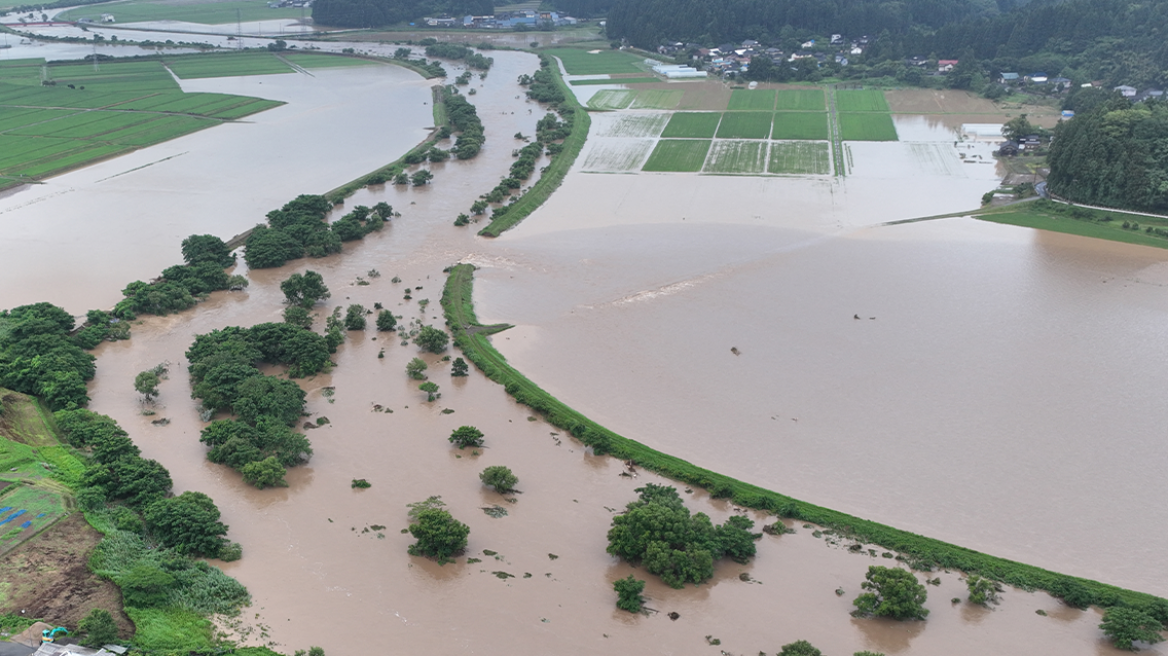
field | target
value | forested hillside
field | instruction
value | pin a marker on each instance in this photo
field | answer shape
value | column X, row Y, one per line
column 374, row 13
column 1115, row 155
column 1113, row 40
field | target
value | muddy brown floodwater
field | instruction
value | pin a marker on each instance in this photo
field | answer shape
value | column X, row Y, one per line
column 597, row 280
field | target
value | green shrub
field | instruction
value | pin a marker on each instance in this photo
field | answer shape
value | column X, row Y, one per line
column 465, row 436
column 1126, row 626
column 628, row 592
column 98, row 628
column 438, row 535
column 500, row 478
column 799, row 648
column 892, row 592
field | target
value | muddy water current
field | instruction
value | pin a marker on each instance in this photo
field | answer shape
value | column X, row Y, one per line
column 629, row 292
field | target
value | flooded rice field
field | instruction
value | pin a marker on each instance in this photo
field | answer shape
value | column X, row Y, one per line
column 984, row 384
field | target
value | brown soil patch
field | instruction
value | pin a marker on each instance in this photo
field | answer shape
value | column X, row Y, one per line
column 49, row 578
column 937, row 101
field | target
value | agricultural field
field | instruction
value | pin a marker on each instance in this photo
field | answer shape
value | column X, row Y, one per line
column 614, row 80
column 745, row 157
column 860, row 100
column 745, row 125
column 188, row 67
column 635, row 126
column 207, row 13
column 611, row 99
column 617, row 155
column 799, row 157
column 578, row 61
column 25, row 510
column 656, row 99
column 867, row 127
column 317, row 60
column 678, row 155
column 800, row 125
column 801, row 100
column 92, row 113
column 752, row 99
column 693, row 125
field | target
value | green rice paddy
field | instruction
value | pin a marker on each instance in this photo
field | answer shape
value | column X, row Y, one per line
column 803, row 100
column 860, row 100
column 317, row 60
column 800, row 125
column 614, row 80
column 694, row 125
column 578, row 61
column 656, row 99
column 207, row 13
column 744, row 157
column 678, row 155
column 188, row 67
column 867, row 127
column 745, row 125
column 92, row 113
column 611, row 99
column 799, row 157
column 752, row 99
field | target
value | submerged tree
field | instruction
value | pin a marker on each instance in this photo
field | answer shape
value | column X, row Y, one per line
column 465, row 436
column 499, row 477
column 892, row 592
column 431, row 390
column 432, row 339
column 628, row 591
column 146, row 383
column 1126, row 626
column 416, row 368
column 458, row 367
column 438, row 534
column 304, row 289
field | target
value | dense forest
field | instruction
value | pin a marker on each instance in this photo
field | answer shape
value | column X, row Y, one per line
column 1115, row 155
column 373, row 13
column 1112, row 40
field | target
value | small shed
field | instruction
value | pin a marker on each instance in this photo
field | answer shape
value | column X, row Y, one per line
column 1126, row 91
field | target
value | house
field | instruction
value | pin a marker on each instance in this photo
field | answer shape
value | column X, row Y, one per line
column 749, row 43
column 946, row 65
column 1150, row 94
column 1029, row 141
column 809, row 44
column 1037, row 78
column 856, row 50
column 837, row 39
column 1008, row 149
column 1007, row 78
column 841, row 60
column 916, row 61
column 107, row 18
column 1057, row 81
column 1126, row 91
column 1068, row 113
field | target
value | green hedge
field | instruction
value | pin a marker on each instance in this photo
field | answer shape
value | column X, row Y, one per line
column 917, row 551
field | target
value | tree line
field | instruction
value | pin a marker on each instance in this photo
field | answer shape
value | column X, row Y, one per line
column 300, row 229
column 376, row 13
column 1114, row 155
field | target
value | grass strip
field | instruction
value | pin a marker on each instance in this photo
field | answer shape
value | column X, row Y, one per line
column 553, row 176
column 917, row 551
column 1055, row 217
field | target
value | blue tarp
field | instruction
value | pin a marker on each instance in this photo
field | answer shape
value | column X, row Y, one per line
column 13, row 516
column 26, row 524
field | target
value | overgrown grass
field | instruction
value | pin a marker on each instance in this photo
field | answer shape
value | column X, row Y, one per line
column 678, row 155
column 800, row 125
column 1046, row 215
column 745, row 157
column 918, row 551
column 695, row 125
column 554, row 174
column 871, row 126
column 170, row 629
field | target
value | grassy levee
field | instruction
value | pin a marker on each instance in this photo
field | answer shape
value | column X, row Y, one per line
column 382, row 174
column 1073, row 220
column 917, row 551
column 554, row 175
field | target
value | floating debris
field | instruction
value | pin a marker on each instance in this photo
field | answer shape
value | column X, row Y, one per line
column 494, row 511
column 503, row 575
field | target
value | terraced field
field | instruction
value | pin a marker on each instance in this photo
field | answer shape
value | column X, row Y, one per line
column 678, row 155
column 743, row 157
column 799, row 157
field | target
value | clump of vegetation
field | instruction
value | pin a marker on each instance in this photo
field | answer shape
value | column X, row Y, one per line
column 268, row 472
column 1126, row 626
column 98, row 628
column 658, row 532
column 304, row 289
column 892, row 592
column 628, row 591
column 180, row 286
column 360, row 483
column 416, row 368
column 432, row 339
column 146, row 384
column 799, row 648
column 499, row 477
column 465, row 436
column 355, row 317
column 982, row 591
column 431, row 390
column 386, row 321
column 459, row 367
column 438, row 534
